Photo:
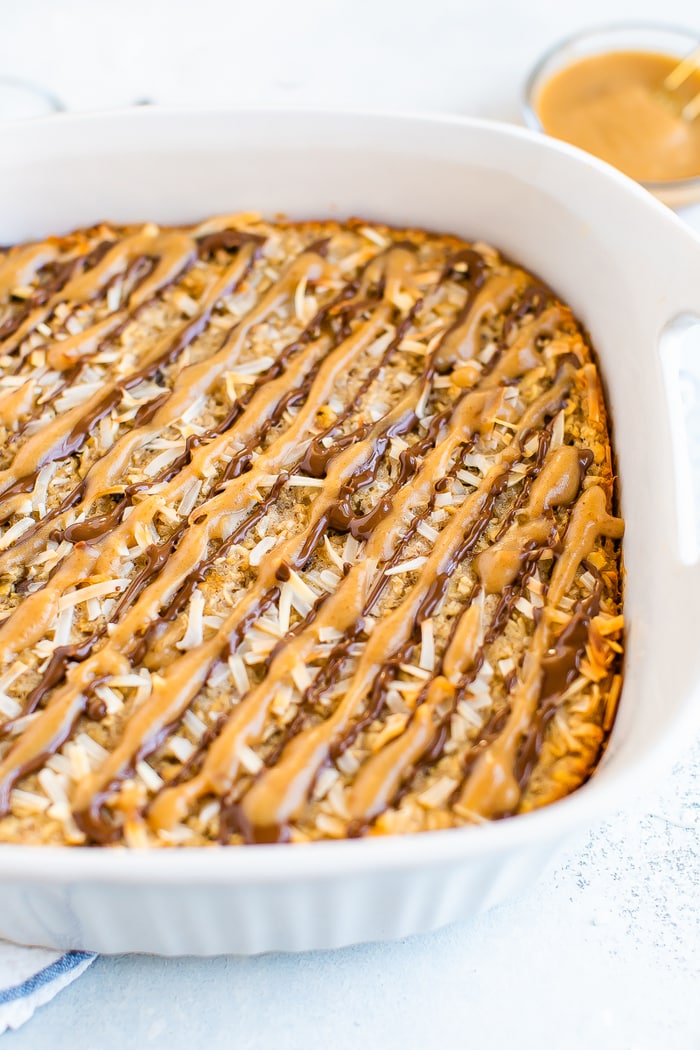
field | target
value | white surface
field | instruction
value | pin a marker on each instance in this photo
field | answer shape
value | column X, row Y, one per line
column 605, row 951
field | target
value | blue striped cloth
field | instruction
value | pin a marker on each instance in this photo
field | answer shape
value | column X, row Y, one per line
column 30, row 977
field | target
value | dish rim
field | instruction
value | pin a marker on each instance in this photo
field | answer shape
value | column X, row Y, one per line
column 279, row 863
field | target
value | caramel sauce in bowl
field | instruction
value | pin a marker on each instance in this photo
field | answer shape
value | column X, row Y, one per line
column 603, row 92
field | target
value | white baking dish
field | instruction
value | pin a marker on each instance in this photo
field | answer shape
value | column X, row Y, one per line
column 626, row 265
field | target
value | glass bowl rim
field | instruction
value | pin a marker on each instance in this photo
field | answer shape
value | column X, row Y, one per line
column 532, row 119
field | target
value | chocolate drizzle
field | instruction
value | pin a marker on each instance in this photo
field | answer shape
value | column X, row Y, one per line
column 389, row 477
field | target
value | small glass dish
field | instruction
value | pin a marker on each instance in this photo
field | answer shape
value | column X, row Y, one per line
column 658, row 39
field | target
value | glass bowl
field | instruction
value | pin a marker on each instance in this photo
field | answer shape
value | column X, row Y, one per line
column 660, row 39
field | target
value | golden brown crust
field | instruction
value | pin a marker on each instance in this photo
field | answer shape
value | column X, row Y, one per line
column 306, row 532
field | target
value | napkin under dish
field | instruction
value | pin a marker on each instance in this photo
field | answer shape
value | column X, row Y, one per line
column 30, row 977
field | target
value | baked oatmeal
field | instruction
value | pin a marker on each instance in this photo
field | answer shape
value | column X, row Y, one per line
column 306, row 532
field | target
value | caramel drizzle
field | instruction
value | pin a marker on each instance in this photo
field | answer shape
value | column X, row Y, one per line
column 44, row 736
column 212, row 516
column 492, row 788
column 342, row 610
column 512, row 555
column 172, row 568
column 279, row 794
column 67, row 432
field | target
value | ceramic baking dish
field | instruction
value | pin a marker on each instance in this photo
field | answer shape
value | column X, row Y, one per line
column 626, row 265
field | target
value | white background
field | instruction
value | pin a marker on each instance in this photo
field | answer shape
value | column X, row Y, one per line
column 604, row 952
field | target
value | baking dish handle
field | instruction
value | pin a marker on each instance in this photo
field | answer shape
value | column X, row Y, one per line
column 682, row 387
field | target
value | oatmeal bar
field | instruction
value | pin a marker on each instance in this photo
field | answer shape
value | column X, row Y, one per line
column 306, row 532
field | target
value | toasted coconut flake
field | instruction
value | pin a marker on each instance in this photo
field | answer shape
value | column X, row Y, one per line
column 437, row 795
column 324, row 782
column 148, row 775
column 195, row 628
column 114, row 296
column 413, row 346
column 114, row 702
column 10, row 676
column 427, row 531
column 393, row 727
column 301, row 677
column 332, row 554
column 79, row 763
column 27, row 800
column 351, row 549
column 260, row 641
column 9, row 707
column 210, row 811
column 251, row 762
column 336, row 801
column 299, row 294
column 15, row 531
column 41, row 487
column 261, row 548
column 407, row 566
column 470, row 715
column 59, row 764
column 162, row 460
column 536, row 599
column 298, row 603
column 195, row 725
column 181, row 748
column 20, row 724
column 219, row 675
column 558, row 431
column 525, row 607
column 59, row 811
column 94, row 590
column 302, row 481
column 444, row 499
column 397, row 446
column 76, row 395
column 178, row 834
column 253, row 367
column 189, row 498
column 330, row 826
column 409, row 690
column 427, row 646
column 587, row 579
column 53, row 553
column 96, row 753
column 239, row 673
column 330, row 580
column 285, row 607
column 185, row 303
column 415, row 672
column 301, row 589
column 374, row 236
column 395, row 703
column 348, row 763
column 329, row 634
column 268, row 627
column 53, row 785
column 530, row 447
column 126, row 681
column 282, row 700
